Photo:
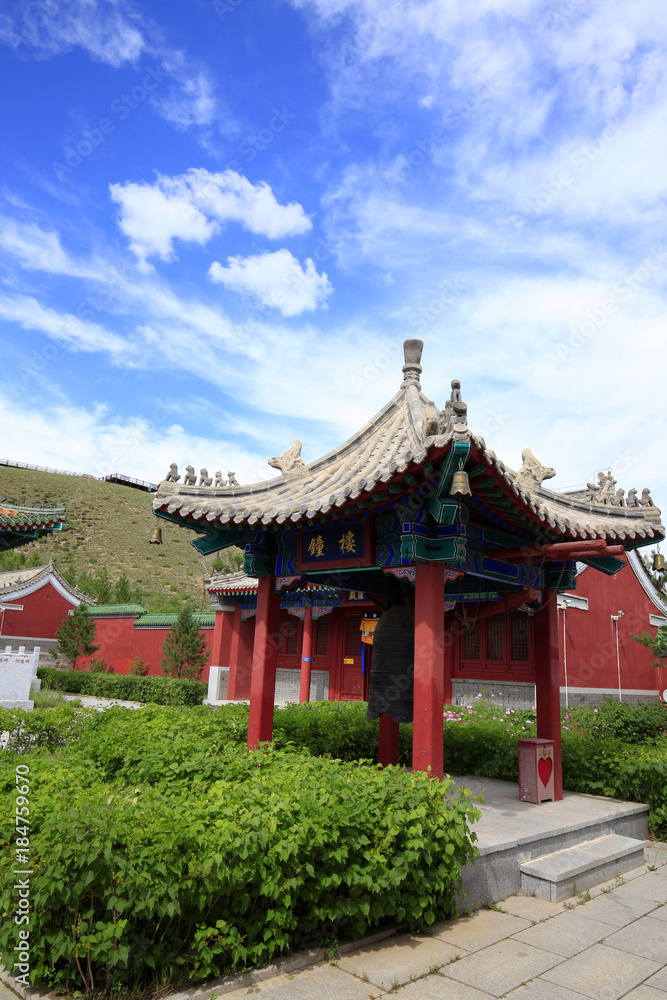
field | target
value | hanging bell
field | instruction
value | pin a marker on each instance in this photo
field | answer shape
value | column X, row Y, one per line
column 392, row 665
column 156, row 537
column 460, row 483
column 658, row 562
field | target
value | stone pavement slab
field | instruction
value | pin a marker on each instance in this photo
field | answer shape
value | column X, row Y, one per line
column 601, row 972
column 531, row 907
column 438, row 987
column 611, row 910
column 398, row 960
column 650, row 886
column 501, row 967
column 538, row 989
column 660, row 913
column 659, row 980
column 566, row 934
column 321, row 982
column 482, row 929
column 646, row 937
column 644, row 992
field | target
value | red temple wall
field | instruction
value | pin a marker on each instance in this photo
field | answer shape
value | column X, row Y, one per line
column 120, row 643
column 42, row 615
column 591, row 637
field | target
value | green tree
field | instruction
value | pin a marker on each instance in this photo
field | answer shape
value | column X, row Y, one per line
column 122, row 592
column 103, row 588
column 76, row 635
column 657, row 645
column 184, row 653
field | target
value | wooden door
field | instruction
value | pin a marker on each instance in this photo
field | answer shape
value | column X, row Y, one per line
column 352, row 680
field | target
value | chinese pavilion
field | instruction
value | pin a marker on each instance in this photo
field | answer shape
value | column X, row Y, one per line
column 413, row 510
column 20, row 525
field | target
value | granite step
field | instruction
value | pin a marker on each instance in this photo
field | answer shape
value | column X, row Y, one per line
column 560, row 875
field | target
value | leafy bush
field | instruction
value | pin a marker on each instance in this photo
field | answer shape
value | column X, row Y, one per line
column 132, row 880
column 138, row 667
column 125, row 687
column 97, row 666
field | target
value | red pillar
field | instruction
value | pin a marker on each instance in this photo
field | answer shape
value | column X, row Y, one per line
column 429, row 686
column 306, row 654
column 216, row 645
column 387, row 741
column 547, row 682
column 239, row 669
column 265, row 655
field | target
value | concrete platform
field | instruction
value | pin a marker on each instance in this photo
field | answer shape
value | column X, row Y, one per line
column 511, row 833
column 560, row 875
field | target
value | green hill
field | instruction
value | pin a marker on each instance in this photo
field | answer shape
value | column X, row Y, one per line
column 106, row 551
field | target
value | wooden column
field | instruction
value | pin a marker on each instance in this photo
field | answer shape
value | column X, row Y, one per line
column 429, row 685
column 265, row 655
column 239, row 668
column 306, row 654
column 216, row 645
column 547, row 681
column 387, row 741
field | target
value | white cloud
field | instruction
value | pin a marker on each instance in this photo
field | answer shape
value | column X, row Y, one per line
column 192, row 207
column 97, row 442
column 276, row 279
column 193, row 103
column 102, row 29
column 64, row 328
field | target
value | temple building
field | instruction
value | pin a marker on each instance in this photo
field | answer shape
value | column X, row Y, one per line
column 20, row 525
column 413, row 524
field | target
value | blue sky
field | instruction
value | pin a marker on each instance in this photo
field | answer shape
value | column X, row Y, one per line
column 219, row 219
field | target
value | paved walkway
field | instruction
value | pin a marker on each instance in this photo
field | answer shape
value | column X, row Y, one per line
column 608, row 943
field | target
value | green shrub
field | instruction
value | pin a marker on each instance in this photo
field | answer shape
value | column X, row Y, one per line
column 124, row 687
column 138, row 667
column 134, row 881
column 97, row 666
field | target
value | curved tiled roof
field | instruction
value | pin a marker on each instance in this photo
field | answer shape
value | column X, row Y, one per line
column 18, row 579
column 568, row 515
column 395, row 448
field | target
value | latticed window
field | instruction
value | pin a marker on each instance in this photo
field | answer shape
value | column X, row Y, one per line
column 353, row 636
column 519, row 649
column 321, row 632
column 472, row 642
column 289, row 632
column 495, row 638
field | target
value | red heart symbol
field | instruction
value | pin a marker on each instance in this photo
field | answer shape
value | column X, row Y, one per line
column 544, row 766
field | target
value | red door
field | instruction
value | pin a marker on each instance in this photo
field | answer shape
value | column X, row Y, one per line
column 352, row 680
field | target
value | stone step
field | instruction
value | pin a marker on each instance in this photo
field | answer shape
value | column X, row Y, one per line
column 560, row 875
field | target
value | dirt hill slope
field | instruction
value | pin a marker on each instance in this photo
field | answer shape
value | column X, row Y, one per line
column 110, row 528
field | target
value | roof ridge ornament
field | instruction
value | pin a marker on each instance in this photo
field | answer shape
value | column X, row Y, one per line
column 532, row 473
column 412, row 355
column 290, row 464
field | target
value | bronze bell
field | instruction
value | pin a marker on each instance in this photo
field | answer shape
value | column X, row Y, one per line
column 390, row 689
column 658, row 562
column 156, row 537
column 460, row 483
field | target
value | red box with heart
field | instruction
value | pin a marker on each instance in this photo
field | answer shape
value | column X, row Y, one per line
column 536, row 770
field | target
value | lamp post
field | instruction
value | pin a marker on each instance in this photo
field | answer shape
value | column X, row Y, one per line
column 614, row 618
column 564, row 606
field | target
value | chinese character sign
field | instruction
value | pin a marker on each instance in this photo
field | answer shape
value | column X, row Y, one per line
column 339, row 545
